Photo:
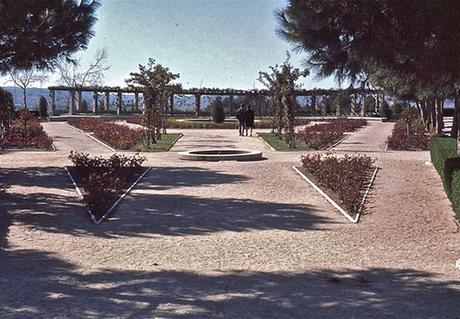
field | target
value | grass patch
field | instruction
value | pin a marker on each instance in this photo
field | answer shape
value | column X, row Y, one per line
column 167, row 141
column 280, row 145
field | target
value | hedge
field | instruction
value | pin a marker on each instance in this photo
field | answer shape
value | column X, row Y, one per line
column 442, row 148
column 455, row 196
column 443, row 151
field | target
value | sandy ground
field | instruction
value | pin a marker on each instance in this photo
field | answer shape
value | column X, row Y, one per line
column 227, row 239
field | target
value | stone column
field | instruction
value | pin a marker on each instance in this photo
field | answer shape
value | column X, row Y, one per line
column 197, row 104
column 106, row 101
column 353, row 103
column 79, row 100
column 136, row 101
column 363, row 104
column 72, row 103
column 95, row 102
column 231, row 105
column 377, row 103
column 338, row 112
column 52, row 103
column 313, row 102
column 120, row 103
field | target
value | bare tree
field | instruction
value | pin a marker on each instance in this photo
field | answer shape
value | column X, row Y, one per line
column 24, row 78
column 71, row 72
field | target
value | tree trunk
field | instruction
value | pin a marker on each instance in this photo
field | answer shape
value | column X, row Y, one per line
column 439, row 117
column 455, row 123
column 433, row 112
column 24, row 94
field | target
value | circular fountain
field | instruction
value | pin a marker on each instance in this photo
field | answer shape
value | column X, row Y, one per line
column 221, row 154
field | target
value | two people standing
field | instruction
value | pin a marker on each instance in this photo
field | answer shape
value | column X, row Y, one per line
column 245, row 117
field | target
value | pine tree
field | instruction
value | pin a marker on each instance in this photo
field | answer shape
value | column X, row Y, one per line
column 37, row 32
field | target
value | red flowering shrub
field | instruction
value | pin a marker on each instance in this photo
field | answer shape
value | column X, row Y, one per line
column 26, row 132
column 320, row 136
column 409, row 133
column 346, row 177
column 119, row 136
column 103, row 180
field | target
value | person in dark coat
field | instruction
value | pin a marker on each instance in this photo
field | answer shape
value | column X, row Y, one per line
column 249, row 120
column 241, row 117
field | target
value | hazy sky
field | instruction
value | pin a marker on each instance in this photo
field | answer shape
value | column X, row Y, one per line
column 212, row 43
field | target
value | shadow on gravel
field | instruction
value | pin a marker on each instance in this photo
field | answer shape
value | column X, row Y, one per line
column 162, row 178
column 38, row 285
column 144, row 215
column 176, row 215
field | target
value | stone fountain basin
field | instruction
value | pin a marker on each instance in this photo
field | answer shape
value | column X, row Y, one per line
column 221, row 154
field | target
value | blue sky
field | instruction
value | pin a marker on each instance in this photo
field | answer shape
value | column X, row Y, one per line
column 212, row 43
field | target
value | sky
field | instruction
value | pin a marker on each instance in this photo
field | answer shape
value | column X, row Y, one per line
column 210, row 43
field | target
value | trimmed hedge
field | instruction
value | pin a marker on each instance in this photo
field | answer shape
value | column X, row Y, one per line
column 443, row 151
column 455, row 195
column 442, row 148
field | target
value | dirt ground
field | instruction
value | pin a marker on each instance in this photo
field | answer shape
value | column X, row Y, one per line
column 226, row 239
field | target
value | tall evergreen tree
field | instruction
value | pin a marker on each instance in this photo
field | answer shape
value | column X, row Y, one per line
column 34, row 33
column 417, row 40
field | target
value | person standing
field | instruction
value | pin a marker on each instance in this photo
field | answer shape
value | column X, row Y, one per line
column 249, row 120
column 241, row 117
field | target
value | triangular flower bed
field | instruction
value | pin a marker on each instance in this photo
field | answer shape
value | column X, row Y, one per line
column 344, row 181
column 103, row 183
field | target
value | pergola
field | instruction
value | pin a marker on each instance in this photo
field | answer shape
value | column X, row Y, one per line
column 314, row 94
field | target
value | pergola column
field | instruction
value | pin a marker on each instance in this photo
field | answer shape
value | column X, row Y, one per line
column 52, row 102
column 338, row 112
column 72, row 102
column 363, row 104
column 136, row 102
column 95, row 102
column 231, row 105
column 353, row 103
column 106, row 101
column 197, row 104
column 313, row 102
column 377, row 103
column 79, row 100
column 171, row 104
column 120, row 102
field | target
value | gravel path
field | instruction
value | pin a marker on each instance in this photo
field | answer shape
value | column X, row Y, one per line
column 371, row 138
column 225, row 240
column 65, row 138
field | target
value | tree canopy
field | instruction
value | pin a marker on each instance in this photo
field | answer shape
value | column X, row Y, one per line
column 33, row 33
column 352, row 39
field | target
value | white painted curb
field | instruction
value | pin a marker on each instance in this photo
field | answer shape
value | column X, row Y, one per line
column 100, row 142
column 337, row 206
column 268, row 144
column 91, row 135
column 92, row 216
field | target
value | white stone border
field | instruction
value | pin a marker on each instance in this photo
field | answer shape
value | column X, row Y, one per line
column 175, row 141
column 337, row 206
column 266, row 143
column 91, row 135
column 92, row 216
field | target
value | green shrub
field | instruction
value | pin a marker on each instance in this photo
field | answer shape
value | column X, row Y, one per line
column 43, row 106
column 455, row 196
column 218, row 113
column 84, row 106
column 442, row 148
column 385, row 111
column 447, row 162
column 451, row 165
